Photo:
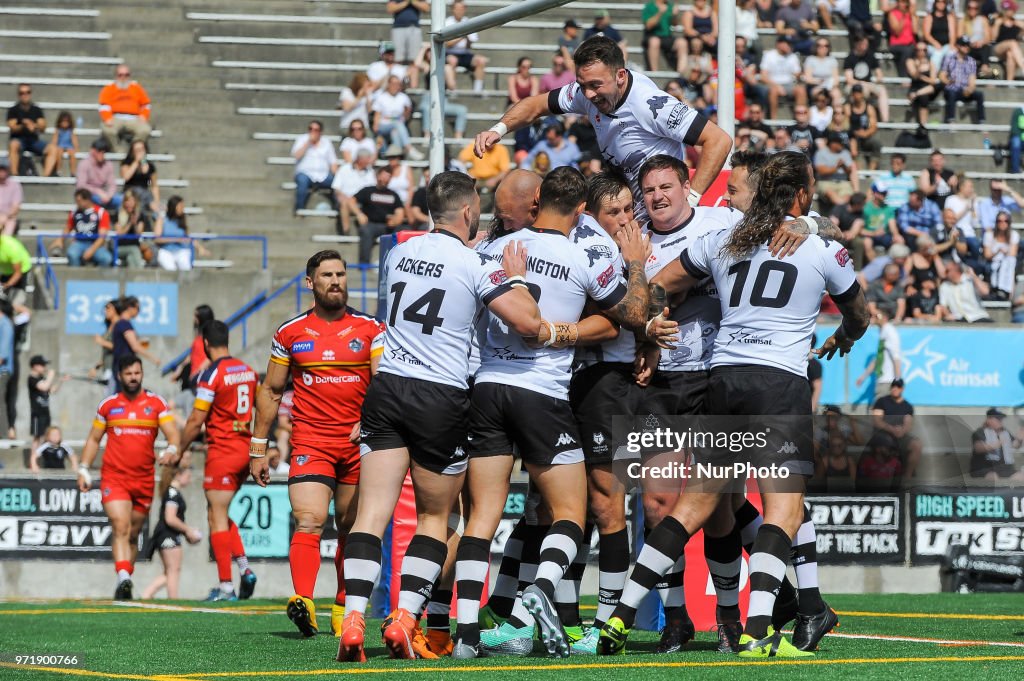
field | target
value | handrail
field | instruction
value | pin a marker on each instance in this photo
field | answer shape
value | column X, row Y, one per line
column 115, row 238
column 49, row 276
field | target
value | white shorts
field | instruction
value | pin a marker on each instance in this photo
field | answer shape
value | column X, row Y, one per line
column 407, row 40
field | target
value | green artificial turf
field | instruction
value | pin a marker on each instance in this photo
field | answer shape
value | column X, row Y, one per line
column 170, row 645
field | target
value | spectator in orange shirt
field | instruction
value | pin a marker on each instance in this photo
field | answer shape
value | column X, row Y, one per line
column 489, row 170
column 124, row 108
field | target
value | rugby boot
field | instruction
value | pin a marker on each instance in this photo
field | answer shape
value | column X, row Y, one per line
column 772, row 645
column 337, row 619
column 675, row 635
column 302, row 612
column 552, row 635
column 810, row 629
column 353, row 634
column 506, row 640
column 247, row 585
column 612, row 640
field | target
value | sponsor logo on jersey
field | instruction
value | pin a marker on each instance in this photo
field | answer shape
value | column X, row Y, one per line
column 675, row 116
column 235, row 369
column 116, row 410
column 595, row 253
column 582, row 231
column 302, row 346
column 328, row 355
column 310, row 379
column 657, row 103
column 605, row 277
column 564, row 440
column 498, row 277
column 148, row 411
column 356, row 345
column 311, row 332
column 748, row 338
column 244, row 377
column 117, row 430
column 301, row 460
column 673, row 243
column 485, row 258
column 842, row 257
column 788, row 448
column 403, row 356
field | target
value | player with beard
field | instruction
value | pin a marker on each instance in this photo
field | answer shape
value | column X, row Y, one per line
column 764, row 378
column 415, row 415
column 130, row 418
column 332, row 352
column 633, row 118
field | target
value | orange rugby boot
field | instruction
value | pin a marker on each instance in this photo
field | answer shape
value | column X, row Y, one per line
column 353, row 633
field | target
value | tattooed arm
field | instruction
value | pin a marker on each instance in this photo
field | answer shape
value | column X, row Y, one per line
column 631, row 311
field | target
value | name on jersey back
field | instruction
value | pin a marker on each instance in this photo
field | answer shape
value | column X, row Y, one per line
column 422, row 268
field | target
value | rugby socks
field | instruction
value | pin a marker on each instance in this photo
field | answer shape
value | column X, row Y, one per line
column 506, row 586
column 767, row 569
column 421, row 566
column 724, row 557
column 220, row 542
column 671, row 591
column 124, row 570
column 237, row 548
column 304, row 560
column 613, row 567
column 804, row 556
column 362, row 568
column 567, row 591
column 439, row 610
column 557, row 553
column 339, row 568
column 749, row 520
column 535, row 534
column 472, row 559
column 664, row 546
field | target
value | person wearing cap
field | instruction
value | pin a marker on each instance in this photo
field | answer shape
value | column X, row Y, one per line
column 603, row 26
column 11, row 196
column 780, row 72
column 898, row 182
column 560, row 151
column 917, row 217
column 348, row 181
column 96, row 175
column 894, row 415
column 836, row 172
column 872, row 272
column 569, row 40
column 379, row 71
column 405, row 29
column 861, row 68
column 458, row 49
column 959, row 75
column 42, row 383
column 993, row 448
column 401, row 173
column 880, row 227
column 125, row 108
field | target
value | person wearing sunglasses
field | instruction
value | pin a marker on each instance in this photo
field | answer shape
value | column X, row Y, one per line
column 124, row 109
column 26, row 122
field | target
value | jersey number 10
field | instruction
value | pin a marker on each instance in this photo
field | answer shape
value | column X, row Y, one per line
column 757, row 293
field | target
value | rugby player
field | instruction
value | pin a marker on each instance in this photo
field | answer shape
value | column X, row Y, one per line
column 415, row 413
column 332, row 351
column 520, row 402
column 130, row 418
column 632, row 117
column 747, row 379
column 225, row 391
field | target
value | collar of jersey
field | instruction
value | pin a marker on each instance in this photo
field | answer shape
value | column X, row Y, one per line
column 543, row 230
column 678, row 228
column 625, row 95
column 447, row 233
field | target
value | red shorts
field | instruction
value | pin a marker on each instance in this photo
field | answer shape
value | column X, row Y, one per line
column 138, row 490
column 227, row 466
column 331, row 464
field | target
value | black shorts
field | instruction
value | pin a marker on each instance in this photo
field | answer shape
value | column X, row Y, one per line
column 597, row 394
column 675, row 393
column 506, row 418
column 464, row 59
column 39, row 423
column 429, row 419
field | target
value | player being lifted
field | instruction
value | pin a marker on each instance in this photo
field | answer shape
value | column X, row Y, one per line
column 130, row 418
column 224, row 397
column 415, row 413
column 632, row 118
column 774, row 301
column 520, row 402
column 332, row 351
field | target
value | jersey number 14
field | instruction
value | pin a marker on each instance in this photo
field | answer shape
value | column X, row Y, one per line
column 425, row 310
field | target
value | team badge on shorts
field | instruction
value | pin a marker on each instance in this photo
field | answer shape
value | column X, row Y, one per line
column 301, row 460
column 355, row 345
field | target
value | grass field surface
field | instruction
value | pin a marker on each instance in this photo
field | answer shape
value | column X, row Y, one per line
column 890, row 637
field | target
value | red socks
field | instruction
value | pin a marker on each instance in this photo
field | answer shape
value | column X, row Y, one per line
column 221, row 544
column 125, row 565
column 237, row 549
column 304, row 559
column 339, row 567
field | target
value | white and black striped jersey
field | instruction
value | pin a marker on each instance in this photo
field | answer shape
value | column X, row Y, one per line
column 597, row 246
column 561, row 278
column 769, row 305
column 435, row 286
column 647, row 122
column 700, row 314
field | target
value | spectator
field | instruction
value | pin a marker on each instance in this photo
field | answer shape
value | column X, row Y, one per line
column 569, row 40
column 124, row 340
column 780, row 71
column 278, row 466
column 458, row 50
column 850, row 221
column 783, row 141
column 996, row 203
column 760, row 132
column 603, row 26
column 131, row 223
column 993, row 448
column 887, row 294
column 861, row 68
column 64, row 144
column 746, row 28
column 453, row 110
column 923, row 307
column 805, row 136
column 880, row 229
column 167, row 536
column 11, row 197
column 379, row 211
column 974, row 32
column 826, row 8
column 902, row 24
column 836, row 172
column 937, row 181
column 898, row 182
column 700, row 22
column 419, row 214
column 835, row 470
column 999, row 247
column 171, row 235
column 87, row 228
column 198, row 361
column 7, row 369
column 879, row 468
column 26, row 123
column 766, row 13
column 560, row 151
column 797, row 22
column 863, row 124
column 840, row 126
column 489, row 170
column 354, row 102
column 124, row 109
column 559, row 75
column 925, row 264
column 15, row 264
column 924, row 82
column 959, row 76
column 747, row 66
column 392, row 110
column 357, row 141
column 821, row 75
column 894, row 415
column 862, row 23
column 938, row 31
column 350, row 179
column 522, row 84
column 897, row 254
column 1006, row 32
column 401, row 174
column 963, row 203
column 316, row 163
column 692, row 88
column 139, row 173
column 658, row 17
column 49, row 450
column 582, row 134
column 917, row 217
column 96, row 176
column 405, row 30
column 42, row 383
column 961, row 294
column 381, row 70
